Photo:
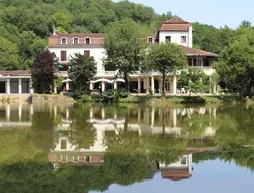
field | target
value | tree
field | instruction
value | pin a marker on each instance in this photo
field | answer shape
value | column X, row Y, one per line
column 82, row 70
column 195, row 80
column 62, row 21
column 236, row 65
column 44, row 71
column 9, row 59
column 245, row 23
column 123, row 46
column 166, row 58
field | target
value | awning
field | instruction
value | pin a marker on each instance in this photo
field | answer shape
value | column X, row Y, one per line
column 120, row 80
column 67, row 80
column 108, row 81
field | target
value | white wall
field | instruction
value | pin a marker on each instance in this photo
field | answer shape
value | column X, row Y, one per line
column 176, row 37
column 97, row 53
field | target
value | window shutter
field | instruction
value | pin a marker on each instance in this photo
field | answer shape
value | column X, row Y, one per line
column 63, row 55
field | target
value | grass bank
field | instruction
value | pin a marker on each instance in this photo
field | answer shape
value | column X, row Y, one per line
column 181, row 99
column 159, row 100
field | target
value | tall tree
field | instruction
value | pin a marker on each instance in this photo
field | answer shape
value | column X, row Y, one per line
column 44, row 71
column 166, row 58
column 82, row 70
column 123, row 44
column 236, row 66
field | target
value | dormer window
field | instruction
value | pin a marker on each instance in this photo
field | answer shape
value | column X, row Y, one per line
column 88, row 40
column 150, row 40
column 75, row 40
column 63, row 40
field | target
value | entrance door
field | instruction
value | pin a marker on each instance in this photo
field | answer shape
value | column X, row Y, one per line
column 167, row 86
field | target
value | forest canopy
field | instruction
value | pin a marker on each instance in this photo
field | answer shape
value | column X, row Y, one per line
column 25, row 25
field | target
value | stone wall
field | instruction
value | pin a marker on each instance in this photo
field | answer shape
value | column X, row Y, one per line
column 35, row 98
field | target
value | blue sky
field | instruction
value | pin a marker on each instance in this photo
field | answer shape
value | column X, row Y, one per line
column 208, row 177
column 212, row 12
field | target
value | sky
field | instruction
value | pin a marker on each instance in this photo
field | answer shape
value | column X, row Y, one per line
column 213, row 12
column 208, row 177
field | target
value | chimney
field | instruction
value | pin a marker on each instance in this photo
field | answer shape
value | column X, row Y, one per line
column 55, row 31
column 190, row 36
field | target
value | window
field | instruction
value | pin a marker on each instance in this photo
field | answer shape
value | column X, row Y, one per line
column 199, row 62
column 63, row 55
column 206, row 62
column 63, row 144
column 168, row 38
column 88, row 40
column 87, row 53
column 150, row 40
column 87, row 158
column 183, row 39
column 75, row 41
column 63, row 40
column 184, row 160
column 194, row 62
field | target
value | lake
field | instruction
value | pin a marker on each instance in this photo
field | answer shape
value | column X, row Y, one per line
column 126, row 148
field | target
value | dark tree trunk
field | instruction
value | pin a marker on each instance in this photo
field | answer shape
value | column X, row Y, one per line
column 163, row 121
column 163, row 85
column 126, row 84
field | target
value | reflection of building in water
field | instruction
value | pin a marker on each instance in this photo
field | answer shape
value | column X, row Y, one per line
column 67, row 153
column 16, row 115
column 21, row 114
column 147, row 120
column 182, row 169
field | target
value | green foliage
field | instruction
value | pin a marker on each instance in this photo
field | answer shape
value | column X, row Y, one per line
column 195, row 80
column 58, row 83
column 62, row 21
column 9, row 59
column 81, row 72
column 44, row 71
column 166, row 58
column 236, row 65
column 123, row 46
column 82, row 133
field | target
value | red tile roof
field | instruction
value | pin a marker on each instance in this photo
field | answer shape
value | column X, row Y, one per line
column 197, row 52
column 175, row 24
column 96, row 39
column 15, row 72
column 175, row 174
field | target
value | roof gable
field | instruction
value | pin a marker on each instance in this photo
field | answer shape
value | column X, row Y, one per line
column 175, row 24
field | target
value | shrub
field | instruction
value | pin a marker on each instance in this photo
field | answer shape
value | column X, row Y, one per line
column 150, row 91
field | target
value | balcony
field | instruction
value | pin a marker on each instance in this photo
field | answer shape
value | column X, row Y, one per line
column 63, row 73
column 106, row 73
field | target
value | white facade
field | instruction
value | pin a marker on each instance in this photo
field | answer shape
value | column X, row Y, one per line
column 97, row 53
column 174, row 30
column 177, row 37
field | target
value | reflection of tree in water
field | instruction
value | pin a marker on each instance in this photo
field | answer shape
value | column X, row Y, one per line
column 17, row 146
column 42, row 130
column 229, row 135
column 243, row 157
column 126, row 169
column 194, row 127
column 123, row 170
column 82, row 132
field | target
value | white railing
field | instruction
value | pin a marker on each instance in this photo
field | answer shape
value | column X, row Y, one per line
column 106, row 73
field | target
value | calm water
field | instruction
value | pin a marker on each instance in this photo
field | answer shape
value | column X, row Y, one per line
column 126, row 148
